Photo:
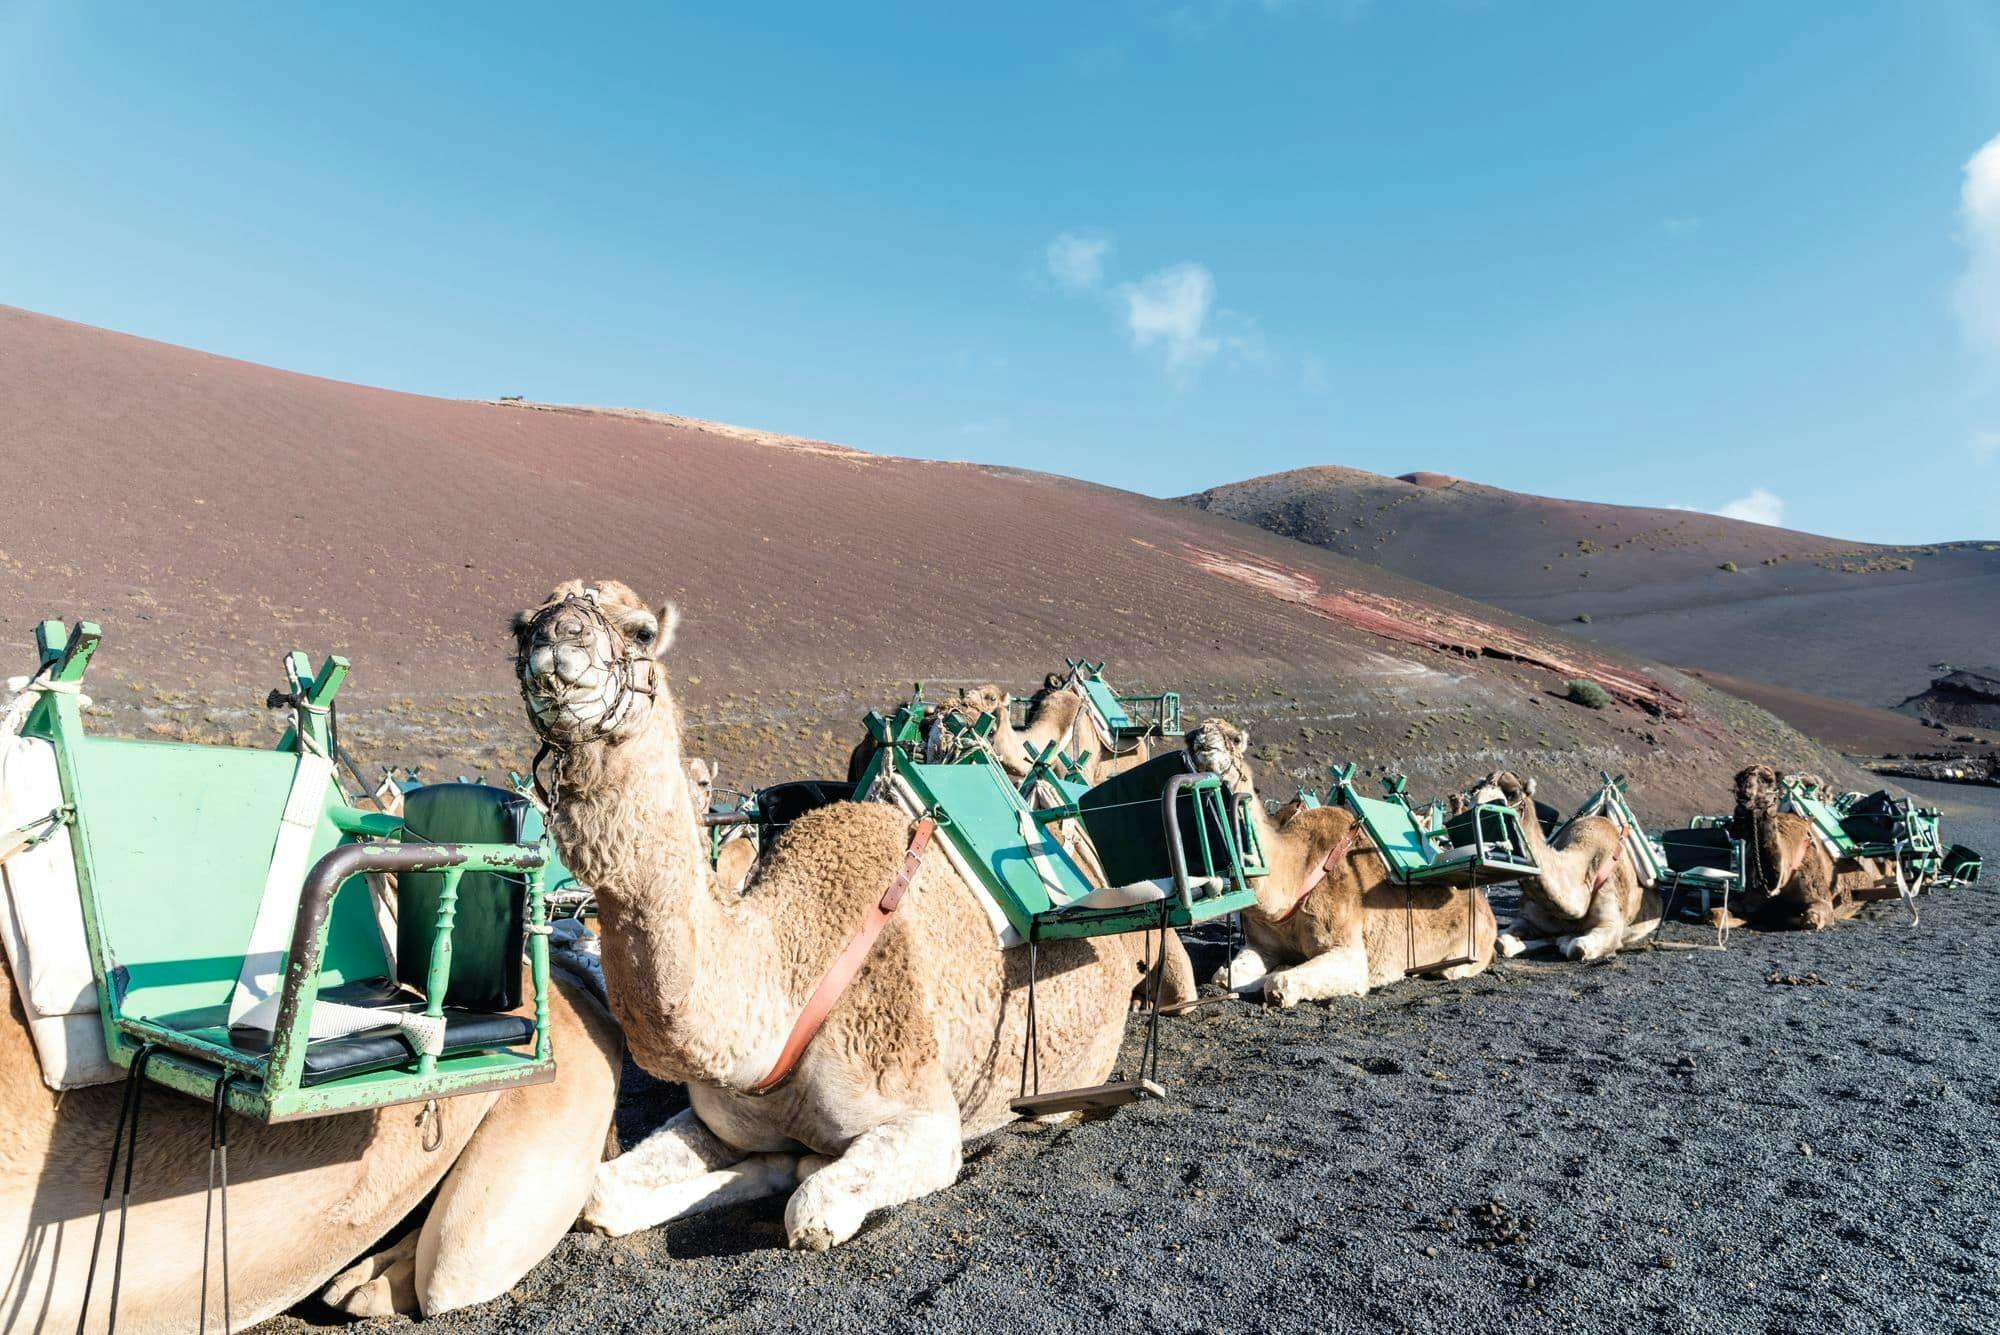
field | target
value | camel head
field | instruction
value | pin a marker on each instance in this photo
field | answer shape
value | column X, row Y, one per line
column 969, row 706
column 1757, row 788
column 588, row 661
column 1505, row 788
column 1220, row 747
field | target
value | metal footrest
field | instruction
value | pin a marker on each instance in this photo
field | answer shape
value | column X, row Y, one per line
column 1086, row 1098
column 1441, row 966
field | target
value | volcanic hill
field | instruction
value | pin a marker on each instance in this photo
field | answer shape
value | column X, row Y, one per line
column 1852, row 622
column 211, row 514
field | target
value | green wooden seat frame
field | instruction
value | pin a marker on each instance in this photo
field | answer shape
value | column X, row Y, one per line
column 982, row 813
column 172, row 845
column 1415, row 855
column 1130, row 717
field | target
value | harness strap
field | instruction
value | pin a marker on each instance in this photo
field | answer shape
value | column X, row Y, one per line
column 1617, row 855
column 848, row 963
column 1319, row 871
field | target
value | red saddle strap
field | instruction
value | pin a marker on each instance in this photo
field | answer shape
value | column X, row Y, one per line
column 848, row 963
column 1319, row 871
column 1617, row 855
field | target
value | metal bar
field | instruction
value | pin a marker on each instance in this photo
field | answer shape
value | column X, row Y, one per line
column 291, row 1032
column 538, row 961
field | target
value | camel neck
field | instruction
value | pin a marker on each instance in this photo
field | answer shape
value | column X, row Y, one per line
column 624, row 817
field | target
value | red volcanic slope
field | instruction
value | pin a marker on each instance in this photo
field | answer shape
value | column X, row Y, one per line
column 1848, row 620
column 212, row 513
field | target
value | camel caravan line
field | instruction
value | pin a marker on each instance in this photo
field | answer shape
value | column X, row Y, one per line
column 258, row 1023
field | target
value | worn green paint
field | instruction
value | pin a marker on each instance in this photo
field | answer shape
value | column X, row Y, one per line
column 1414, row 854
column 172, row 843
column 989, row 822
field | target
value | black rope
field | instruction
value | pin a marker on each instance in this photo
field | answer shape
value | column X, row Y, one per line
column 132, row 1078
column 1152, row 1047
column 1032, row 1054
column 218, row 1154
column 127, row 1132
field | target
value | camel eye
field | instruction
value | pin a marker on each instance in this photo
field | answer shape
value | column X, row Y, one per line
column 644, row 634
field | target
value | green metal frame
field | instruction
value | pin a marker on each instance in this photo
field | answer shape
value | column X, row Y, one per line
column 980, row 810
column 180, row 1017
column 1917, row 846
column 1130, row 717
column 1414, row 854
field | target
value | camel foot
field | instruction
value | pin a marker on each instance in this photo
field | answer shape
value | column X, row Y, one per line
column 1818, row 917
column 619, row 1205
column 384, row 1284
column 1243, row 973
column 1510, row 945
column 900, row 1160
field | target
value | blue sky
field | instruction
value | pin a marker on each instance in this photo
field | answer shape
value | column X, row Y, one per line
column 1661, row 254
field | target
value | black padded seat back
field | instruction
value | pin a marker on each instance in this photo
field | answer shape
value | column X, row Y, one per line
column 1703, row 848
column 781, row 804
column 1547, row 817
column 487, row 935
column 1123, row 816
column 1873, row 819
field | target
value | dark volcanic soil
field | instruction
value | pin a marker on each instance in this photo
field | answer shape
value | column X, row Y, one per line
column 1793, row 1135
column 1857, row 622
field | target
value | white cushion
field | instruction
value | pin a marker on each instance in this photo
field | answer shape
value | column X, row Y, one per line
column 42, row 925
column 1143, row 892
column 72, row 1051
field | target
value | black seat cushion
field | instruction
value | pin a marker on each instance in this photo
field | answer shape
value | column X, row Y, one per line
column 488, row 931
column 781, row 804
column 332, row 1058
column 1699, row 848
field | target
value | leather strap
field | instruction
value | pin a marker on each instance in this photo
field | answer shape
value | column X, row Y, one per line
column 1617, row 856
column 1319, row 872
column 848, row 963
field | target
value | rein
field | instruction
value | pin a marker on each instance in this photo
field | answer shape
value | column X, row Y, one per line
column 1320, row 871
column 848, row 963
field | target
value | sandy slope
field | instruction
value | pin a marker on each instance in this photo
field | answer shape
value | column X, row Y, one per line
column 211, row 513
column 1832, row 618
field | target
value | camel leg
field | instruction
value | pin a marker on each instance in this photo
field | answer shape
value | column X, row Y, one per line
column 1337, row 973
column 1512, row 942
column 523, row 1177
column 1244, row 973
column 384, row 1284
column 910, row 1155
column 1636, row 934
column 682, row 1168
column 1179, row 985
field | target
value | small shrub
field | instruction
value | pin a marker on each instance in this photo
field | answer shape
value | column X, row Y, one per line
column 1584, row 617
column 1730, row 566
column 1588, row 694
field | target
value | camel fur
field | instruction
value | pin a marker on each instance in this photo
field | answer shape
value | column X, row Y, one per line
column 1356, row 930
column 510, row 1171
column 923, row 1049
column 1789, row 878
column 1586, row 899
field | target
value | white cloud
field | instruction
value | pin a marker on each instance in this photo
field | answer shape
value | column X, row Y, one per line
column 1077, row 262
column 1170, row 308
column 1977, row 298
column 1759, row 507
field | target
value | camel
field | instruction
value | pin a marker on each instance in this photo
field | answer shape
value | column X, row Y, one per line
column 1586, row 900
column 1789, row 877
column 1328, row 921
column 511, row 1172
column 920, row 1051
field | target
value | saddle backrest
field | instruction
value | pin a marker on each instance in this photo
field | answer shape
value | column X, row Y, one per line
column 1699, row 848
column 173, row 845
column 1394, row 830
column 1125, row 817
column 490, row 923
column 781, row 804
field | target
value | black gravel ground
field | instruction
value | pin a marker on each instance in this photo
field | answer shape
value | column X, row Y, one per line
column 1797, row 1134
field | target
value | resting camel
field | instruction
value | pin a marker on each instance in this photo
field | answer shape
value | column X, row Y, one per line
column 1788, row 876
column 1328, row 920
column 510, row 1171
column 921, row 1050
column 1587, row 900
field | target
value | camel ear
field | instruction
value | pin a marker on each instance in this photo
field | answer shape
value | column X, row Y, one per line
column 1531, row 788
column 519, row 626
column 670, row 620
